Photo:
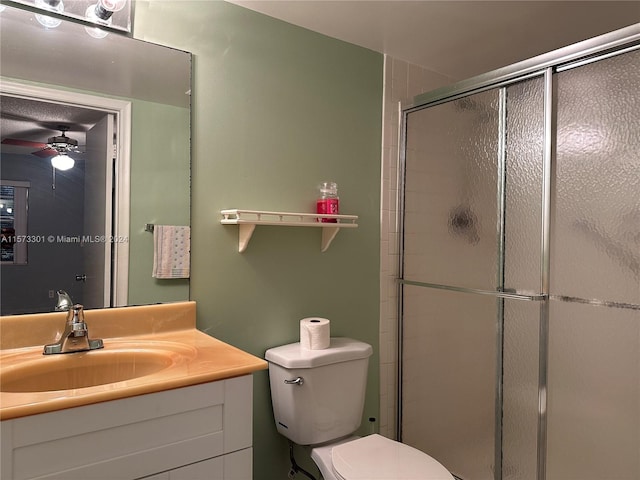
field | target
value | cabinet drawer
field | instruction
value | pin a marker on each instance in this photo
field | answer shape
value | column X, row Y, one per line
column 132, row 437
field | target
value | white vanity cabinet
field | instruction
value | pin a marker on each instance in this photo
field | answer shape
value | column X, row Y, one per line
column 191, row 433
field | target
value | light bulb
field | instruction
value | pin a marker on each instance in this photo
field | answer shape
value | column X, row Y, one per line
column 90, row 14
column 94, row 15
column 96, row 32
column 45, row 21
column 62, row 162
column 101, row 12
column 112, row 5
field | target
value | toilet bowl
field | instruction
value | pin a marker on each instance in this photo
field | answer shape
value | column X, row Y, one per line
column 318, row 399
column 375, row 457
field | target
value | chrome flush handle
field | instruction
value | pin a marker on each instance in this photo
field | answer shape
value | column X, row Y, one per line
column 296, row 381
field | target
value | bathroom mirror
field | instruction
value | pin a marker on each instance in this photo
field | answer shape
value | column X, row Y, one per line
column 140, row 92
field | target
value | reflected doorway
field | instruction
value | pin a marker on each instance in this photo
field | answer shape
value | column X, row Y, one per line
column 72, row 215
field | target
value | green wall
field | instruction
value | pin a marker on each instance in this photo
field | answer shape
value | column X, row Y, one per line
column 276, row 109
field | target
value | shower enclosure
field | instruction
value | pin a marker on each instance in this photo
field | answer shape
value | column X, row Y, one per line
column 520, row 268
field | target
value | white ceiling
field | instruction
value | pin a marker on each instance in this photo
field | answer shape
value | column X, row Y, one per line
column 459, row 39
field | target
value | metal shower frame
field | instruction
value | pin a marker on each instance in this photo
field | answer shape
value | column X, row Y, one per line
column 545, row 66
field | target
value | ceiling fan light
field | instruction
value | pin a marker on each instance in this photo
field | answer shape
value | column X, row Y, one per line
column 62, row 162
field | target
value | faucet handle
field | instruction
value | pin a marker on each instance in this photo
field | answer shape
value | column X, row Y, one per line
column 78, row 313
column 75, row 319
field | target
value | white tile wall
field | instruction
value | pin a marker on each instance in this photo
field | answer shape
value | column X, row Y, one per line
column 402, row 81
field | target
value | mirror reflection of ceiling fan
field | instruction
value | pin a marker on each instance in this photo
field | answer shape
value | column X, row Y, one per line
column 54, row 146
column 57, row 148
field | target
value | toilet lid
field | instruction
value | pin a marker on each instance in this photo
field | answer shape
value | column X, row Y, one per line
column 375, row 457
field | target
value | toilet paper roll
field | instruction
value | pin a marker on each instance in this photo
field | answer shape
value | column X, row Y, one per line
column 315, row 333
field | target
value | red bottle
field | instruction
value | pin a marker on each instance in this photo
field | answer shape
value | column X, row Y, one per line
column 328, row 201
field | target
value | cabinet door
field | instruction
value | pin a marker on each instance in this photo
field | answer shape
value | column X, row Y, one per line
column 212, row 469
column 233, row 466
column 158, row 476
column 239, row 465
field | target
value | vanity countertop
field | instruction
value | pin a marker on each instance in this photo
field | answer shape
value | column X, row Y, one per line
column 191, row 356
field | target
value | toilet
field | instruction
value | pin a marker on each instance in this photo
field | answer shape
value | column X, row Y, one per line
column 318, row 398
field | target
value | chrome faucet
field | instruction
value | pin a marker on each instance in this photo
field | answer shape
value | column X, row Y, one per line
column 64, row 301
column 75, row 337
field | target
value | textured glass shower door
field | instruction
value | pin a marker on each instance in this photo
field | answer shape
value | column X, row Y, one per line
column 594, row 324
column 520, row 313
column 471, row 262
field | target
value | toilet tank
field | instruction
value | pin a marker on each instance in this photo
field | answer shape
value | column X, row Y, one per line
column 328, row 403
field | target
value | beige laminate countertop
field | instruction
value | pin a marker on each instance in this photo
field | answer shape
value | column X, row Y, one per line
column 195, row 357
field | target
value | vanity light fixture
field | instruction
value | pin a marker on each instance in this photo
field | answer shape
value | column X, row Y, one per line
column 51, row 13
column 55, row 6
column 62, row 162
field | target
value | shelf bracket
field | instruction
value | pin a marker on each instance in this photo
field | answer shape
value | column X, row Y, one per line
column 328, row 234
column 244, row 235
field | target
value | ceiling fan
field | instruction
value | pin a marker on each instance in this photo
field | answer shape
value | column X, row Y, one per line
column 57, row 145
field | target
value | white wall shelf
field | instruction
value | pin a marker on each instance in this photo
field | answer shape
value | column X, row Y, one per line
column 248, row 219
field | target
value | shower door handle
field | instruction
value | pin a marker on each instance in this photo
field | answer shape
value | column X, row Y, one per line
column 296, row 381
